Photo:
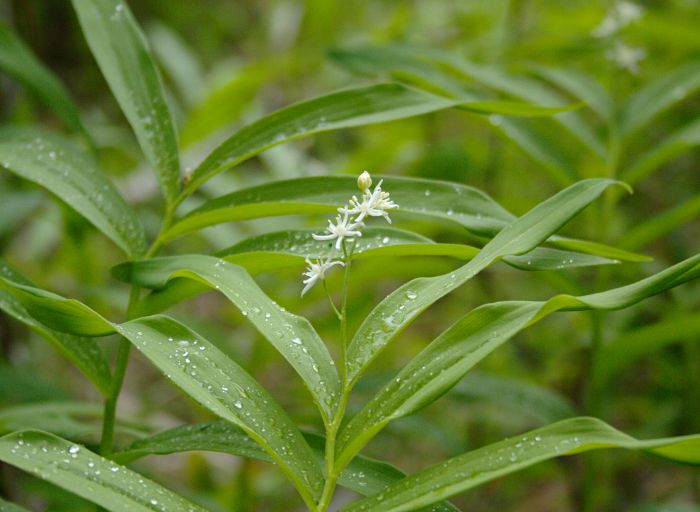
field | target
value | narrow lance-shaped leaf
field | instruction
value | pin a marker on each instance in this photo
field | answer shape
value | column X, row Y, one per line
column 122, row 52
column 364, row 476
column 76, row 469
column 342, row 109
column 200, row 369
column 403, row 305
column 659, row 95
column 452, row 71
column 223, row 387
column 446, row 201
column 84, row 353
column 452, row 354
column 18, row 60
column 56, row 164
column 291, row 247
column 293, row 336
column 474, row 468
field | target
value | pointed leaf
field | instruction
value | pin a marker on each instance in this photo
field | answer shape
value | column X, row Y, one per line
column 659, row 95
column 86, row 474
column 364, row 476
column 452, row 354
column 84, row 353
column 342, row 109
column 293, row 336
column 56, row 164
column 122, row 52
column 474, row 468
column 217, row 383
column 403, row 305
column 443, row 200
column 17, row 59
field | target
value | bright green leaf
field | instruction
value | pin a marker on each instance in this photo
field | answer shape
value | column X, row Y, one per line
column 122, row 52
column 56, row 164
column 76, row 469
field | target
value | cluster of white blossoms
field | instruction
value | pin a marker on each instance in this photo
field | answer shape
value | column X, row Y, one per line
column 348, row 225
column 620, row 16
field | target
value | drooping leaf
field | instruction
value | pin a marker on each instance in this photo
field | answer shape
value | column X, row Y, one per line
column 56, row 164
column 122, row 53
column 293, row 336
column 76, row 469
column 19, row 61
column 404, row 304
column 453, row 72
column 476, row 467
column 226, row 389
column 84, row 353
column 363, row 475
column 442, row 200
column 60, row 314
column 452, row 354
column 658, row 96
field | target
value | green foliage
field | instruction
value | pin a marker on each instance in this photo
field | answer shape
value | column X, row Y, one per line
column 433, row 274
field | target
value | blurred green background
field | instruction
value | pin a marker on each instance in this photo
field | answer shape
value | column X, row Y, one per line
column 225, row 63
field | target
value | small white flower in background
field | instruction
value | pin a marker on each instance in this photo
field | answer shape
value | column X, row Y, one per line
column 317, row 272
column 373, row 204
column 627, row 57
column 621, row 15
column 342, row 229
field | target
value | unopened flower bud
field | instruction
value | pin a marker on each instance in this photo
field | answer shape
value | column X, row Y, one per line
column 364, row 181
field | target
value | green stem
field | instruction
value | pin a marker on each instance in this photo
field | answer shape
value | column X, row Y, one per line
column 331, row 468
column 110, row 405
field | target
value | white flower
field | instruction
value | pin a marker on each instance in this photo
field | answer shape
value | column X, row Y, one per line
column 317, row 272
column 373, row 204
column 343, row 228
column 621, row 15
column 627, row 57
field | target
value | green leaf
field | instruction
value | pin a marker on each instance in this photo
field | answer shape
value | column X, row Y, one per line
column 6, row 506
column 632, row 345
column 364, row 476
column 452, row 354
column 403, row 305
column 122, row 52
column 342, row 109
column 474, row 468
column 217, row 383
column 84, row 353
column 452, row 72
column 56, row 164
column 440, row 200
column 76, row 469
column 17, row 59
column 530, row 400
column 580, row 86
column 668, row 148
column 293, row 336
column 67, row 419
column 658, row 96
column 647, row 232
column 60, row 314
column 280, row 249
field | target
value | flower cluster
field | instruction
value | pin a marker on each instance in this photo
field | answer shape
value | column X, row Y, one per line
column 349, row 224
column 620, row 16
